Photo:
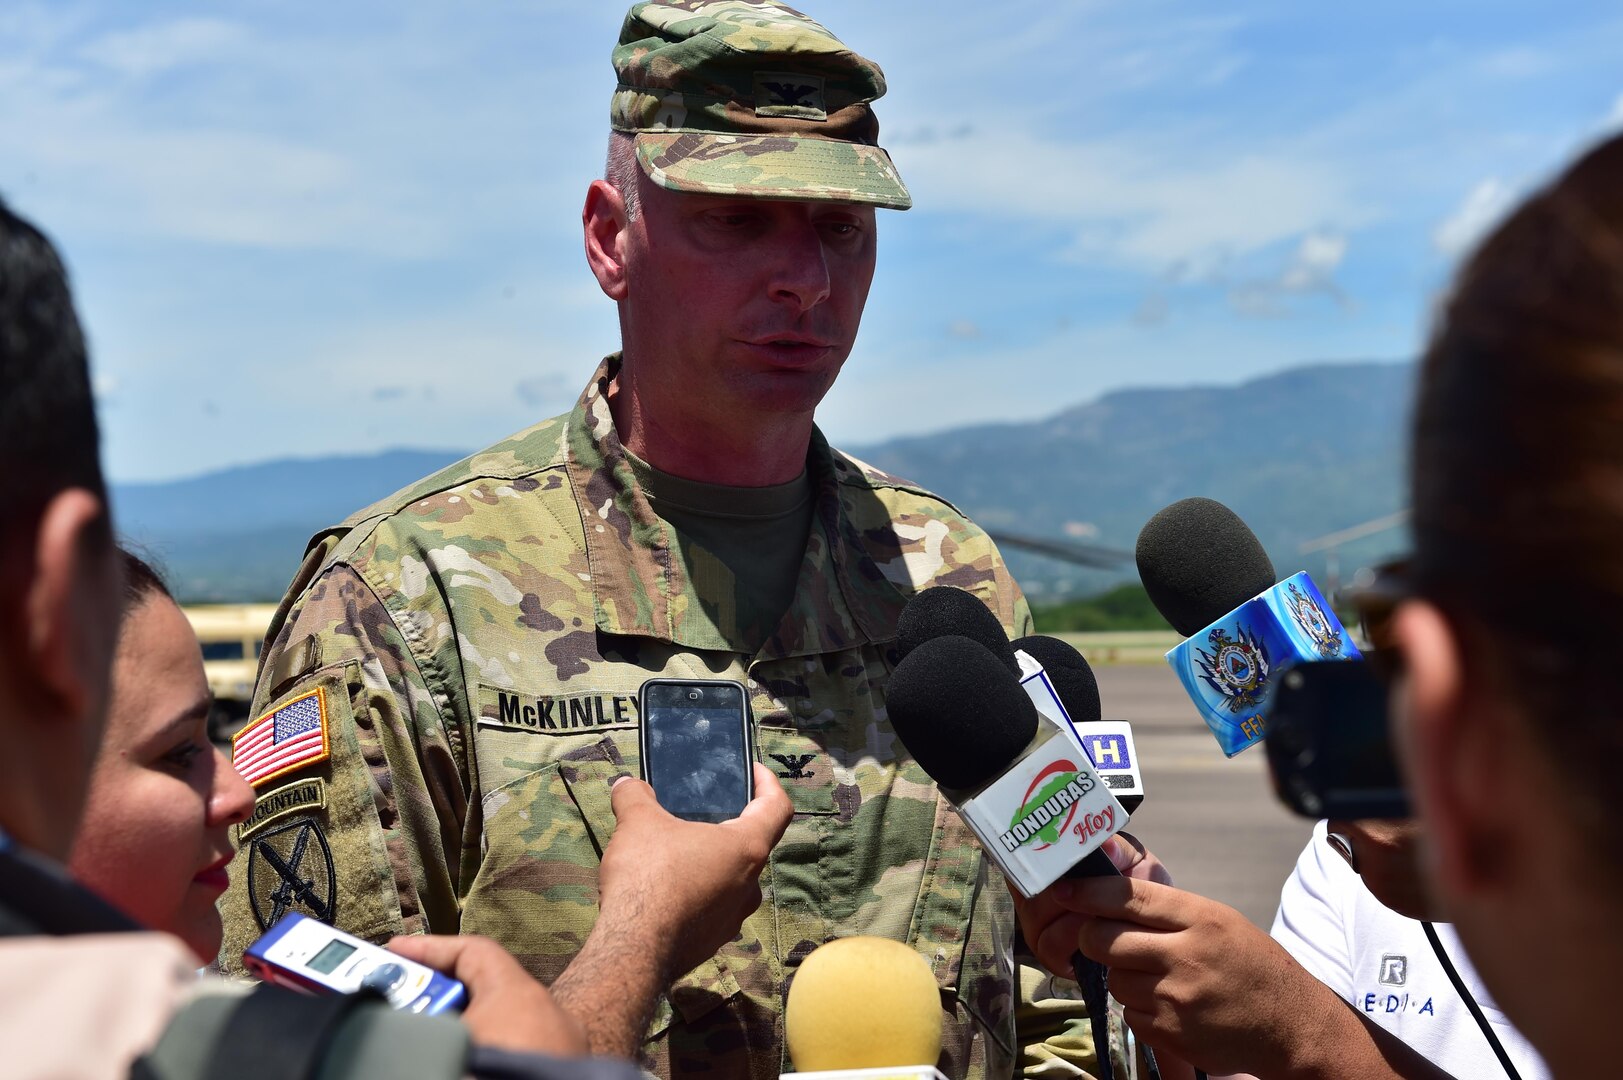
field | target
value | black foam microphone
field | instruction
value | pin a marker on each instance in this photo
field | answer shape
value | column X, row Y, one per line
column 945, row 610
column 959, row 712
column 1069, row 671
column 1208, row 574
column 1199, row 561
column 970, row 724
column 1108, row 743
column 1019, row 781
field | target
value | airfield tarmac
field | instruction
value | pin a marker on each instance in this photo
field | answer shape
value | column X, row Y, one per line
column 1212, row 820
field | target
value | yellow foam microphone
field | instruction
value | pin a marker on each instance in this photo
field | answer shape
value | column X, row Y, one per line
column 862, row 1003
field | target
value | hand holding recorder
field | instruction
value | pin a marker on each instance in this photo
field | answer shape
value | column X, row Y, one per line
column 502, row 1006
column 506, row 1009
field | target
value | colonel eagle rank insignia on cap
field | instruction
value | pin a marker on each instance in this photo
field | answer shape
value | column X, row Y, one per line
column 752, row 99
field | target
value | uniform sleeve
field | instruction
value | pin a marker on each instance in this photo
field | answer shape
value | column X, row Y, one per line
column 1024, row 624
column 1056, row 1035
column 1310, row 923
column 358, row 770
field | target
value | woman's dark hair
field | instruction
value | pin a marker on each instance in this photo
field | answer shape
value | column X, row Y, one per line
column 1517, row 473
column 141, row 581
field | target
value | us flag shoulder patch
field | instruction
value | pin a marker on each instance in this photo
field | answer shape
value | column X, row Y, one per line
column 286, row 738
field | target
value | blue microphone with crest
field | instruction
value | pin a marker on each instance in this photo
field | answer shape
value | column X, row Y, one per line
column 1208, row 575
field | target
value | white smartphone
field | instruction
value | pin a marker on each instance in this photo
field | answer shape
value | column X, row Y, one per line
column 309, row 956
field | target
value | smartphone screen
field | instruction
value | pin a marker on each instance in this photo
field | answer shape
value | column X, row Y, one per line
column 695, row 747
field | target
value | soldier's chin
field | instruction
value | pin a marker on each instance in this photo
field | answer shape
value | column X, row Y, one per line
column 786, row 390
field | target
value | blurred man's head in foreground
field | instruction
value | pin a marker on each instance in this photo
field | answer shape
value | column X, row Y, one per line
column 59, row 575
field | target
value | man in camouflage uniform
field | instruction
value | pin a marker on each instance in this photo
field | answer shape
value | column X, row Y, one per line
column 479, row 639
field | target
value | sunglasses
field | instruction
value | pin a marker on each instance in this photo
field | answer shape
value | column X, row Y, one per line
column 1376, row 603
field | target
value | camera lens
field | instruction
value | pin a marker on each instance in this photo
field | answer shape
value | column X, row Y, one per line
column 694, row 695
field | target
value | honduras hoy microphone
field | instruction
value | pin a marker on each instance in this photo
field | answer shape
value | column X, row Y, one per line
column 1016, row 777
column 1208, row 575
column 1020, row 782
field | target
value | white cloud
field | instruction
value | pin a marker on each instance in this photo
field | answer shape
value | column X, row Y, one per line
column 1153, row 204
column 1614, row 119
column 1311, row 269
column 160, row 47
column 1316, row 260
column 281, row 135
column 1481, row 209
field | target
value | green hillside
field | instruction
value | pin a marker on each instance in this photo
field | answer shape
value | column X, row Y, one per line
column 1126, row 607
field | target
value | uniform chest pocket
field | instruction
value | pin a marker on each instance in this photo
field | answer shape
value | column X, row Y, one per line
column 536, row 890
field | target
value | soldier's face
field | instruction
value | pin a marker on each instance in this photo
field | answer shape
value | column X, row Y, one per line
column 744, row 304
column 154, row 838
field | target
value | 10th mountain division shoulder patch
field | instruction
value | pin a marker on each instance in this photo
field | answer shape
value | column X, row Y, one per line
column 301, row 795
column 290, row 868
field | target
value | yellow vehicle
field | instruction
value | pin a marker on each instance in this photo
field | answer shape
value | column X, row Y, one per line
column 232, row 636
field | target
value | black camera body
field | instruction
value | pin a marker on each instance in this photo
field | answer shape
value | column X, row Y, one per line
column 1330, row 745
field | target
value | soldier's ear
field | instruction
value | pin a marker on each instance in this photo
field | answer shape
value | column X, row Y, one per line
column 605, row 223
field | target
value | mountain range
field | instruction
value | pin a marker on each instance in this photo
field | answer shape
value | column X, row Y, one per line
column 1297, row 454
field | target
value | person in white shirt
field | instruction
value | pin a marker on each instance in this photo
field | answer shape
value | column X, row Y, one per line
column 1383, row 963
column 1207, row 988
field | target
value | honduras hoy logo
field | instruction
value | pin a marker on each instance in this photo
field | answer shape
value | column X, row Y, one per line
column 1310, row 617
column 1237, row 668
column 1049, row 805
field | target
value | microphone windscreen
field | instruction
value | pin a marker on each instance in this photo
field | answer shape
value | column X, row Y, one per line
column 863, row 1003
column 959, row 711
column 943, row 610
column 1199, row 561
column 1070, row 673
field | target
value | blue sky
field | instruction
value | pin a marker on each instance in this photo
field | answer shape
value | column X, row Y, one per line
column 302, row 228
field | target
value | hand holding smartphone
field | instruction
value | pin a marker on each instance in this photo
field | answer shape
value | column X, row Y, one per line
column 696, row 751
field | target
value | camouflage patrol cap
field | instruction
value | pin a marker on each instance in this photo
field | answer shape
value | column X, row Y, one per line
column 730, row 97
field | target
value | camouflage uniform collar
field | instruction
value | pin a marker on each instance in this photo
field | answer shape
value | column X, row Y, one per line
column 641, row 588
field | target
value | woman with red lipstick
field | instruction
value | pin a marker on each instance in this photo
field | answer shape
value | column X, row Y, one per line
column 155, row 837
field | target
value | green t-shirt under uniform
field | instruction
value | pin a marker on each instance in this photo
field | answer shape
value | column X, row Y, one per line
column 741, row 544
